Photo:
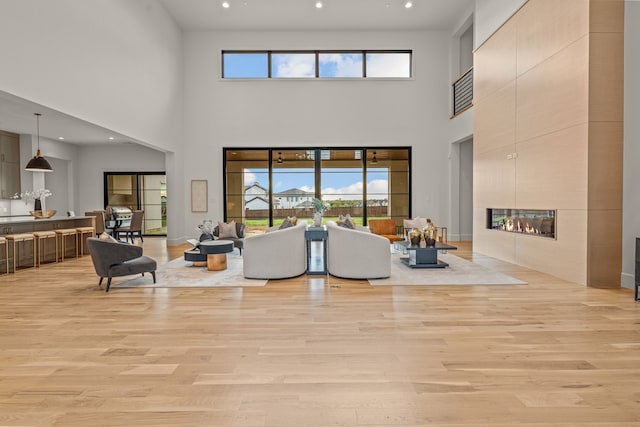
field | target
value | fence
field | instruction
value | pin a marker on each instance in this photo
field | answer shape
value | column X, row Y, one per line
column 355, row 211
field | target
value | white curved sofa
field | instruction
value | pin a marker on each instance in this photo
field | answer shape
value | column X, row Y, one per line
column 355, row 254
column 278, row 254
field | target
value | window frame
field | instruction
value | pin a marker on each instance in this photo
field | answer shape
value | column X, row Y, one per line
column 316, row 53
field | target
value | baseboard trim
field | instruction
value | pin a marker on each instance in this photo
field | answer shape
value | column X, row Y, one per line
column 627, row 280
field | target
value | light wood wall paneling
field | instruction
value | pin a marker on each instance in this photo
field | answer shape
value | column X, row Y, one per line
column 494, row 178
column 606, row 76
column 497, row 60
column 555, row 94
column 546, row 27
column 551, row 170
column 605, row 165
column 495, row 120
column 565, row 257
column 500, row 244
column 604, row 258
column 606, row 16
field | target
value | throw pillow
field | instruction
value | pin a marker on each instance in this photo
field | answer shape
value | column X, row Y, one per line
column 285, row 224
column 107, row 237
column 227, row 229
column 350, row 221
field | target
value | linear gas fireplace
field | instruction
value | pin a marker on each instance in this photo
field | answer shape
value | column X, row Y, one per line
column 524, row 221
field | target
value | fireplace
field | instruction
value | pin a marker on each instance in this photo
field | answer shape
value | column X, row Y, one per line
column 535, row 222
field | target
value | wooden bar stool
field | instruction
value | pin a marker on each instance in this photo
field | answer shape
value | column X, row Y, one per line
column 91, row 231
column 3, row 241
column 63, row 234
column 41, row 237
column 16, row 239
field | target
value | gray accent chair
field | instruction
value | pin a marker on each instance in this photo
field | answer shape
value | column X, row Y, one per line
column 357, row 254
column 239, row 242
column 115, row 259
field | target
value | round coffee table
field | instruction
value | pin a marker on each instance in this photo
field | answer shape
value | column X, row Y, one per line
column 216, row 251
column 196, row 257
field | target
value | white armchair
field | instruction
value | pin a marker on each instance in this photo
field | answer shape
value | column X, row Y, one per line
column 356, row 254
column 278, row 254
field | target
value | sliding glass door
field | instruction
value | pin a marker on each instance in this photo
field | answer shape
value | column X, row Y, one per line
column 139, row 191
column 264, row 186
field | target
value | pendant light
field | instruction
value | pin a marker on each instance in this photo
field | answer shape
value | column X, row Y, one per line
column 38, row 163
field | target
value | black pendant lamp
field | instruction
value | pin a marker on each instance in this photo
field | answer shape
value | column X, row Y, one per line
column 38, row 163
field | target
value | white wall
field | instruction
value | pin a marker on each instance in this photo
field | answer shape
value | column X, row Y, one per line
column 490, row 15
column 115, row 63
column 324, row 113
column 631, row 195
column 94, row 161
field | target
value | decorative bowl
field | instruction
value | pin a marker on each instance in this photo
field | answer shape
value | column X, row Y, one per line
column 48, row 213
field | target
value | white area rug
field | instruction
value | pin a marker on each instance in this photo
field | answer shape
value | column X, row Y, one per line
column 179, row 273
column 459, row 272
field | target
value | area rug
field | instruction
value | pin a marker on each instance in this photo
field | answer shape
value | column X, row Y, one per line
column 459, row 272
column 179, row 273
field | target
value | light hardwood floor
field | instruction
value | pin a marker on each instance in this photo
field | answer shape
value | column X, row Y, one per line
column 315, row 351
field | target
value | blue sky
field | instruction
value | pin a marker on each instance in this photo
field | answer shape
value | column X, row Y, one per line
column 336, row 183
column 302, row 65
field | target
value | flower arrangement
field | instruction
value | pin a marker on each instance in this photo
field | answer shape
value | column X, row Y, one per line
column 29, row 196
column 36, row 196
column 319, row 206
column 206, row 228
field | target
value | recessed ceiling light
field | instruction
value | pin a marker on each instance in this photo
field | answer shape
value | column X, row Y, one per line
column 61, row 138
column 408, row 5
column 318, row 5
column 225, row 4
column 111, row 138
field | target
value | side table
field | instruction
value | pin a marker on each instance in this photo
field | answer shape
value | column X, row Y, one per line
column 216, row 251
column 427, row 257
column 316, row 234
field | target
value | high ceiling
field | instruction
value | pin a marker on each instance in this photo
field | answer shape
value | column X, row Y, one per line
column 17, row 115
column 293, row 15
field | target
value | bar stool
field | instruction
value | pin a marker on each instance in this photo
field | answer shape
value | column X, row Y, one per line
column 16, row 239
column 91, row 231
column 63, row 234
column 3, row 241
column 41, row 237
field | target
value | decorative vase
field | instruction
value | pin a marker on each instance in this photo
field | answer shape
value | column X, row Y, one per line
column 204, row 237
column 317, row 219
column 414, row 237
column 37, row 205
column 430, row 234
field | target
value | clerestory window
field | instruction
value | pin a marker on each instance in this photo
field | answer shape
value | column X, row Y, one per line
column 316, row 64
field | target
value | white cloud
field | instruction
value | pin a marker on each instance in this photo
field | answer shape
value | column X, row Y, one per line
column 249, row 177
column 347, row 65
column 388, row 65
column 378, row 187
column 294, row 65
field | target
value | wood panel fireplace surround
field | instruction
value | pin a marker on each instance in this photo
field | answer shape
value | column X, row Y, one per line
column 536, row 222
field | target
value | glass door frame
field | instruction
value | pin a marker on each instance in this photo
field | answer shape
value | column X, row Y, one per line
column 272, row 153
column 139, row 190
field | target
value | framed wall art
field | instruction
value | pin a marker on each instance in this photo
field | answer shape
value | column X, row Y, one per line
column 199, row 194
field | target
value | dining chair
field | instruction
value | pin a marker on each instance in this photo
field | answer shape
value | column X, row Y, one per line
column 135, row 226
column 100, row 221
